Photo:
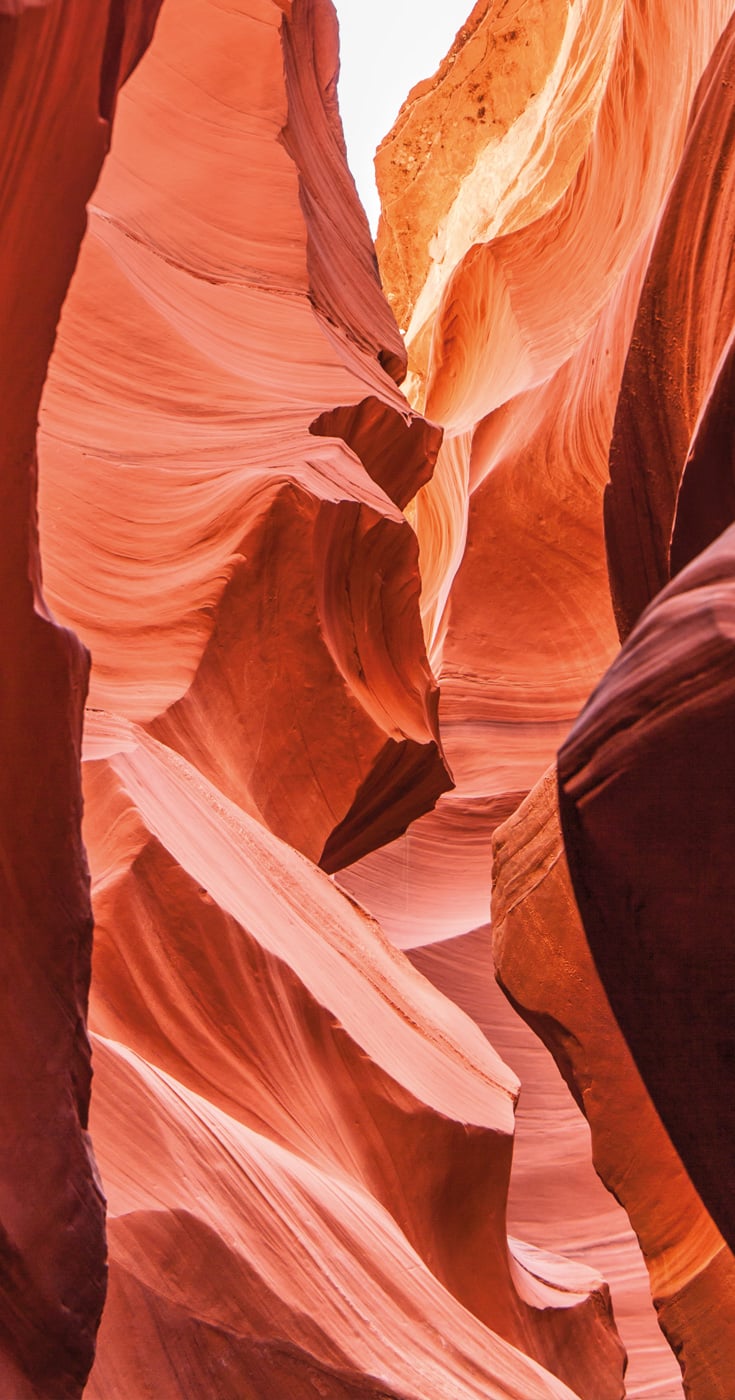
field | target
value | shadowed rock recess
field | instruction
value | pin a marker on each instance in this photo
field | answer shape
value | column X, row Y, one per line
column 386, row 894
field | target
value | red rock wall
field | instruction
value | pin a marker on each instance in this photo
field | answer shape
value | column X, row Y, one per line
column 644, row 789
column 281, row 1101
column 59, row 71
column 538, row 937
column 313, row 605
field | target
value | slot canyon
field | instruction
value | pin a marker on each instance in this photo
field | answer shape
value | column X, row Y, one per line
column 367, row 708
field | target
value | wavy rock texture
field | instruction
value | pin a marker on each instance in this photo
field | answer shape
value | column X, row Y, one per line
column 654, row 733
column 654, row 743
column 515, row 599
column 537, row 937
column 670, row 493
column 556, row 1199
column 59, row 72
column 519, row 307
column 198, row 457
column 337, row 1148
column 305, row 1138
column 306, row 1149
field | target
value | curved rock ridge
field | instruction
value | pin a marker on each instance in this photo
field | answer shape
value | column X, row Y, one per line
column 667, row 498
column 519, row 316
column 526, row 631
column 556, row 1198
column 245, row 586
column 705, row 505
column 515, row 593
column 506, row 312
column 576, row 84
column 282, row 1102
column 55, row 64
column 537, row 937
column 341, row 1143
column 647, row 815
column 288, row 573
column 318, row 1291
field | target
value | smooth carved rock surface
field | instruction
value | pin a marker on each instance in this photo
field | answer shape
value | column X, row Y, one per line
column 314, row 603
column 338, row 1146
column 515, row 592
column 644, row 794
column 645, row 790
column 201, row 497
column 59, row 72
column 556, row 1198
column 519, row 313
column 306, row 1150
column 670, row 492
column 537, row 937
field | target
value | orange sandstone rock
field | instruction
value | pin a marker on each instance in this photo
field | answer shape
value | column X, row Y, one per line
column 515, row 593
column 336, row 1145
column 519, row 314
column 306, row 1149
column 245, row 586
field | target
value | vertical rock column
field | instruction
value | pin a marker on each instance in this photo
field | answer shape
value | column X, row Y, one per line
column 57, row 62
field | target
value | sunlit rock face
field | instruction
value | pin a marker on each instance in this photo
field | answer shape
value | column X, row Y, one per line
column 306, row 1148
column 553, row 312
column 339, row 630
column 202, row 339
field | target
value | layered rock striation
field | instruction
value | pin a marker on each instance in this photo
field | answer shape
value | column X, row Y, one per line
column 338, row 633
column 282, row 1102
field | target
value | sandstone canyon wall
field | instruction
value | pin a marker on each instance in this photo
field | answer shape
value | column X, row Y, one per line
column 338, row 631
column 59, row 71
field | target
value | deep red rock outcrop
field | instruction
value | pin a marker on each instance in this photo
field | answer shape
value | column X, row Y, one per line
column 647, row 814
column 537, row 937
column 59, row 71
column 670, row 491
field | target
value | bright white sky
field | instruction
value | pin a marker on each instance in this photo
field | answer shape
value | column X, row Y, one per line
column 387, row 46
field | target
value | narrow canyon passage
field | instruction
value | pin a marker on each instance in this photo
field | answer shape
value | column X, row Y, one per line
column 389, row 558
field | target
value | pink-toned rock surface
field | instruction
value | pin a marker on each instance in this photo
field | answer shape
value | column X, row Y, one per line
column 516, row 598
column 556, row 1199
column 59, row 70
column 281, row 1101
column 339, row 1143
column 193, row 460
column 312, row 604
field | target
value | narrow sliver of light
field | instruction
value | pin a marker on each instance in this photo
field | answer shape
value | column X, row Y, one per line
column 387, row 46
